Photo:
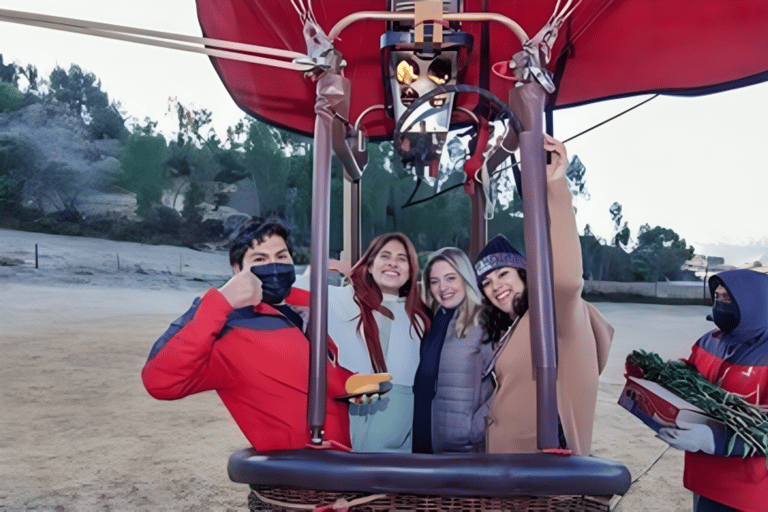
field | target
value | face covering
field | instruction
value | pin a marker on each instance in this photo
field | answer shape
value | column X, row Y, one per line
column 725, row 315
column 276, row 281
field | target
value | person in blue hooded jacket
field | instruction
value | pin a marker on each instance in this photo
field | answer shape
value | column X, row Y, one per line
column 735, row 357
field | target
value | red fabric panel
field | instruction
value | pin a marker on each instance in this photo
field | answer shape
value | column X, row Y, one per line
column 619, row 48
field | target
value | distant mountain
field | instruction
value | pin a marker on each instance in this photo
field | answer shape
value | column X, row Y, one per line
column 740, row 256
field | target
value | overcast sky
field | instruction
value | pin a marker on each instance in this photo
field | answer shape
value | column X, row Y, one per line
column 695, row 165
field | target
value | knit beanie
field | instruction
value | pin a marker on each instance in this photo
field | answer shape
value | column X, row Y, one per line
column 498, row 253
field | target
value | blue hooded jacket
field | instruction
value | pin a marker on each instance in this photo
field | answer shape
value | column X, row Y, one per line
column 736, row 361
column 745, row 343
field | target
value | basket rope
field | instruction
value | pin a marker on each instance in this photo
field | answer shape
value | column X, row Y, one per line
column 340, row 504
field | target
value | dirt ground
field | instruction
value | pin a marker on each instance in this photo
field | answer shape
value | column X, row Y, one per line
column 79, row 432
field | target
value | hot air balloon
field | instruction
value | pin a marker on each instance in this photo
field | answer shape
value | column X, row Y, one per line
column 346, row 72
column 407, row 70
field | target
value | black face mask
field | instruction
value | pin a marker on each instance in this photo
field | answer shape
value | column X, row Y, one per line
column 276, row 281
column 726, row 315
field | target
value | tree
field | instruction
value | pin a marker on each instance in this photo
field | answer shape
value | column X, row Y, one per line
column 511, row 199
column 8, row 72
column 508, row 217
column 199, row 155
column 377, row 201
column 18, row 166
column 53, row 185
column 194, row 125
column 10, row 159
column 192, row 198
column 11, row 99
column 79, row 90
column 575, row 175
column 621, row 231
column 62, row 187
column 32, row 76
column 265, row 158
column 8, row 193
column 107, row 122
column 298, row 194
column 660, row 253
column 602, row 262
column 144, row 170
column 148, row 128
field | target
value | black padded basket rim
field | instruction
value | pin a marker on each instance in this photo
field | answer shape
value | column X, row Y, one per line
column 454, row 474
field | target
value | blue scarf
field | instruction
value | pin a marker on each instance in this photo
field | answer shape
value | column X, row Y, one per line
column 425, row 381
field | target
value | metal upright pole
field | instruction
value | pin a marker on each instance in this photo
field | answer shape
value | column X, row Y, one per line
column 317, row 328
column 356, row 223
column 351, row 204
column 529, row 101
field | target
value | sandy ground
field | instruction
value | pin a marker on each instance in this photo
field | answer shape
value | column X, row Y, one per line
column 79, row 432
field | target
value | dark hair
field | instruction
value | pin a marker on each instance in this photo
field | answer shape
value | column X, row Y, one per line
column 495, row 321
column 368, row 296
column 255, row 230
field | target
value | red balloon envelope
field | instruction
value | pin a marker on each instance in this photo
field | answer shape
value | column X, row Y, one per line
column 606, row 49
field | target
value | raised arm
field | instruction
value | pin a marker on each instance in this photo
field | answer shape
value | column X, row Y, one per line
column 566, row 249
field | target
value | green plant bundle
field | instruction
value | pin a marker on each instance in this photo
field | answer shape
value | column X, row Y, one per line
column 746, row 420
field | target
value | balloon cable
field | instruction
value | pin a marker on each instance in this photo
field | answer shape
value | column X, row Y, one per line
column 610, row 119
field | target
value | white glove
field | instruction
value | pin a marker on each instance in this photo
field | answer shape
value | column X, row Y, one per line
column 691, row 437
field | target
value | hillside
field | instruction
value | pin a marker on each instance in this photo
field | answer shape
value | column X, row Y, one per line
column 57, row 143
column 57, row 176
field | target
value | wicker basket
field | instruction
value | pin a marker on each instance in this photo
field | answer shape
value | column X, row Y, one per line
column 305, row 499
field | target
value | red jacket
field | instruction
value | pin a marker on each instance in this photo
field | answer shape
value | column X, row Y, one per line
column 737, row 362
column 258, row 363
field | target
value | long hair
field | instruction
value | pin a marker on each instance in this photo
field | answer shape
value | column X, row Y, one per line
column 368, row 296
column 468, row 312
column 495, row 321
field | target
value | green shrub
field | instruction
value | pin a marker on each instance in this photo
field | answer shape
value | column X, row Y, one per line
column 11, row 98
column 106, row 122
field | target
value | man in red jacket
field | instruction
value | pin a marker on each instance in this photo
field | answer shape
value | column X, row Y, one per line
column 723, row 475
column 245, row 340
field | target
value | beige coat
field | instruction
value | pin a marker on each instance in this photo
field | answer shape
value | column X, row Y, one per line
column 583, row 338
